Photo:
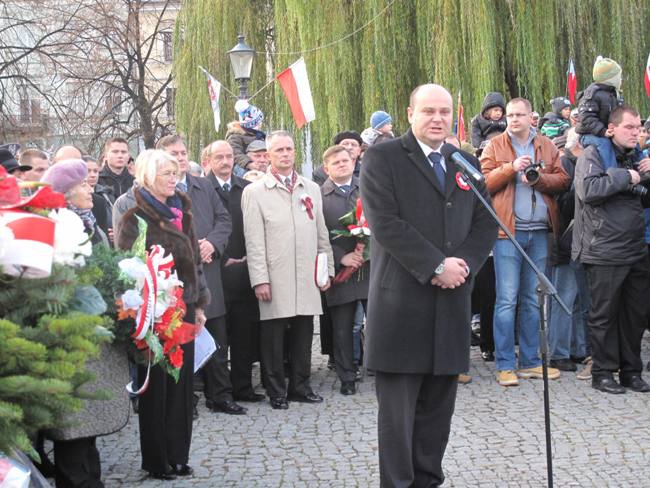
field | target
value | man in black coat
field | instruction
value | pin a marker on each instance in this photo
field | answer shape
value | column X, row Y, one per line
column 340, row 192
column 430, row 236
column 242, row 310
column 213, row 226
column 609, row 240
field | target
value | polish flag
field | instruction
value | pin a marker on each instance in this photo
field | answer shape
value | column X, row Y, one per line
column 460, row 121
column 571, row 82
column 214, row 90
column 646, row 79
column 295, row 84
column 31, row 250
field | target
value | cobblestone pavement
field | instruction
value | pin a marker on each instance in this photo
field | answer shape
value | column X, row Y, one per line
column 497, row 438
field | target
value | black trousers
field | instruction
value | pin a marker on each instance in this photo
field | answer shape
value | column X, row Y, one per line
column 216, row 377
column 299, row 338
column 414, row 422
column 326, row 333
column 165, row 413
column 342, row 325
column 483, row 299
column 243, row 323
column 617, row 317
column 77, row 464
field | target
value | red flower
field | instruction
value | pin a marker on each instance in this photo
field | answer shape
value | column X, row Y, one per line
column 176, row 357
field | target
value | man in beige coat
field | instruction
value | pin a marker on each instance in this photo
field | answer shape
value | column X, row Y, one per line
column 285, row 230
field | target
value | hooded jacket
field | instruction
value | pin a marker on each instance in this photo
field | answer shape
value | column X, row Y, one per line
column 594, row 106
column 483, row 127
column 239, row 138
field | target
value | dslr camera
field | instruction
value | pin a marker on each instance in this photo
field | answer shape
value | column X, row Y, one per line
column 641, row 189
column 532, row 171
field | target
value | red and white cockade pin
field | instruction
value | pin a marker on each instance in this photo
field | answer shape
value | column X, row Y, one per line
column 460, row 181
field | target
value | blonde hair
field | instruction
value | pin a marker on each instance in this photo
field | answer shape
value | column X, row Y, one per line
column 149, row 163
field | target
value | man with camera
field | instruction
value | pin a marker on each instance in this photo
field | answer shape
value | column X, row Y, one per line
column 523, row 173
column 608, row 239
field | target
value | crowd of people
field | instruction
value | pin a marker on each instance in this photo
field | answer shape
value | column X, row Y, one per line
column 247, row 230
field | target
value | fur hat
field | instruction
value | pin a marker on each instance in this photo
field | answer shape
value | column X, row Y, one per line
column 347, row 134
column 380, row 118
column 65, row 175
column 250, row 116
column 608, row 72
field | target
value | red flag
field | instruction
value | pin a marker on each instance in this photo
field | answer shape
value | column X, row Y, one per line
column 460, row 121
column 646, row 79
column 571, row 82
column 295, row 84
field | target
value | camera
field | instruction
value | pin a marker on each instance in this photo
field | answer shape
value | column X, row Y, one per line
column 532, row 171
column 641, row 189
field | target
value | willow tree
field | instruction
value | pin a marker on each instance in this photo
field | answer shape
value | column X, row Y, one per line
column 387, row 47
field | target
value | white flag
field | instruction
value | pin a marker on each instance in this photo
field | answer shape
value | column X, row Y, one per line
column 214, row 90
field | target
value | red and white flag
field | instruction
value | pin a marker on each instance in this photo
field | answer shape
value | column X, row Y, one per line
column 571, row 82
column 460, row 121
column 30, row 250
column 295, row 84
column 646, row 78
column 214, row 90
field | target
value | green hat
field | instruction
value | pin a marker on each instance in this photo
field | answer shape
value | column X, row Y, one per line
column 606, row 70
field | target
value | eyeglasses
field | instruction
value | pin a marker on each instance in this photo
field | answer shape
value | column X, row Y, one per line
column 168, row 174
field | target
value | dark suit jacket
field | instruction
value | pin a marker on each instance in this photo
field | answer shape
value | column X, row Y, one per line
column 413, row 326
column 212, row 222
column 236, row 282
column 337, row 203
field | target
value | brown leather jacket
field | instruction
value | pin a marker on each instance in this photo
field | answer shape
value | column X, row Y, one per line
column 496, row 165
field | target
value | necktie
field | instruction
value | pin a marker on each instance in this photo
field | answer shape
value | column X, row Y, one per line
column 226, row 187
column 436, row 159
column 287, row 183
column 181, row 186
column 345, row 188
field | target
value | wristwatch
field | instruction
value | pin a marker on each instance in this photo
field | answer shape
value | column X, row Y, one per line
column 440, row 269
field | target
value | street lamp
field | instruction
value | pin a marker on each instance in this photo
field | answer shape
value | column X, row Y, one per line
column 241, row 59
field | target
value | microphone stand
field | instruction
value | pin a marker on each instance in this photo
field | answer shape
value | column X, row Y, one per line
column 545, row 289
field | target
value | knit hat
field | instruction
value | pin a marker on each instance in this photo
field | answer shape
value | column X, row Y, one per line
column 250, row 116
column 608, row 72
column 348, row 134
column 560, row 103
column 9, row 162
column 65, row 175
column 380, row 118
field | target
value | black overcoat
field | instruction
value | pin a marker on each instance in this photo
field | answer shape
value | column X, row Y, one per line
column 337, row 203
column 413, row 326
column 236, row 282
column 212, row 222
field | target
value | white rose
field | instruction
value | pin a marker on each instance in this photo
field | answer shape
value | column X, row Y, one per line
column 131, row 299
column 71, row 242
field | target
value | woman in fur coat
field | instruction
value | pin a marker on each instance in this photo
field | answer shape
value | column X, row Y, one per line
column 165, row 408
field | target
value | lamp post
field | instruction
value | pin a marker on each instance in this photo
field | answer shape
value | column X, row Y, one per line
column 241, row 60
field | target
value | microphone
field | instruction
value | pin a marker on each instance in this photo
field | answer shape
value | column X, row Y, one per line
column 451, row 153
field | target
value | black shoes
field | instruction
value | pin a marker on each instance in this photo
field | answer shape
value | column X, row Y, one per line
column 635, row 383
column 250, row 397
column 308, row 398
column 488, row 356
column 166, row 476
column 348, row 388
column 608, row 384
column 279, row 403
column 182, row 470
column 228, row 406
column 564, row 364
